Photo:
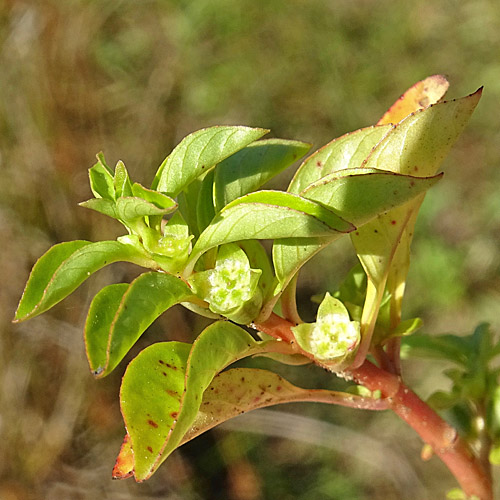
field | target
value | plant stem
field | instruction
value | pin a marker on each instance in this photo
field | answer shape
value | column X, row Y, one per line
column 443, row 438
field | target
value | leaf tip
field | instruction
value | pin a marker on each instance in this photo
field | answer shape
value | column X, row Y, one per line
column 124, row 465
column 98, row 372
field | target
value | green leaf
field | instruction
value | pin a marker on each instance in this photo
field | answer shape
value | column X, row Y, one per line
column 159, row 407
column 205, row 211
column 249, row 169
column 66, row 266
column 123, row 186
column 358, row 195
column 101, row 205
column 120, row 313
column 289, row 255
column 101, row 179
column 448, row 347
column 269, row 215
column 259, row 259
column 188, row 203
column 199, row 152
column 418, row 144
column 158, row 199
column 348, row 151
column 130, row 208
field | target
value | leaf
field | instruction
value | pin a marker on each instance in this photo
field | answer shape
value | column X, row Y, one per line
column 150, row 400
column 120, row 313
column 161, row 200
column 101, row 179
column 348, row 151
column 66, row 266
column 199, row 152
column 354, row 195
column 358, row 195
column 289, row 255
column 420, row 95
column 268, row 215
column 205, row 211
column 448, row 347
column 130, row 208
column 259, row 259
column 123, row 186
column 250, row 168
column 241, row 390
column 158, row 407
column 416, row 146
column 124, row 466
column 101, row 205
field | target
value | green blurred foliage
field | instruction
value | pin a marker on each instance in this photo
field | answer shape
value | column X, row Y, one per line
column 132, row 78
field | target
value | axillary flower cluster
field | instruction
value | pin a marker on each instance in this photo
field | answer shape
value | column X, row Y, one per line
column 231, row 287
column 333, row 337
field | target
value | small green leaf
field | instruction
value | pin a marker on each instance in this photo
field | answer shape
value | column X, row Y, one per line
column 250, row 168
column 158, row 199
column 101, row 180
column 269, row 215
column 101, row 205
column 123, row 186
column 259, row 259
column 159, row 407
column 199, row 152
column 131, row 208
column 416, row 146
column 348, row 151
column 119, row 314
column 66, row 266
column 448, row 347
column 290, row 254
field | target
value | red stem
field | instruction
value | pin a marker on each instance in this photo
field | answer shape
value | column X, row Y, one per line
column 443, row 438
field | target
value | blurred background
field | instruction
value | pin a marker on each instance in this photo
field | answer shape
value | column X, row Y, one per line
column 131, row 79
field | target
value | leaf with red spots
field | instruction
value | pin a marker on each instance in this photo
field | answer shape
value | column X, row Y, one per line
column 416, row 146
column 241, row 390
column 163, row 387
column 348, row 151
column 120, row 313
